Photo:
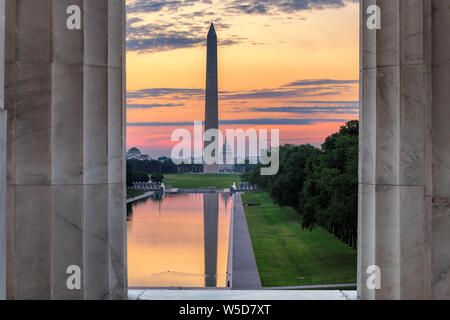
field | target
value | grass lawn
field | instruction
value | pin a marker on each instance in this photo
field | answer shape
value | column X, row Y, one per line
column 192, row 181
column 286, row 255
column 134, row 193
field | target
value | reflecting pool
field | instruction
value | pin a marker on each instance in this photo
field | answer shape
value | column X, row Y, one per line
column 180, row 240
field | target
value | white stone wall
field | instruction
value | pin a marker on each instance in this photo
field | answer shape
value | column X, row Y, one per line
column 404, row 216
column 65, row 96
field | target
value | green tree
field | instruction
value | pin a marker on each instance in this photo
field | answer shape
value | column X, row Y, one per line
column 321, row 184
column 288, row 183
column 157, row 177
column 330, row 195
column 135, row 176
column 129, row 174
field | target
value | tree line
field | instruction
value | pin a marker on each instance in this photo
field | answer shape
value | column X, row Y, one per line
column 150, row 166
column 139, row 170
column 321, row 184
column 134, row 175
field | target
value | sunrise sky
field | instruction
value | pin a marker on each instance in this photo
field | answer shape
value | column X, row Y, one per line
column 285, row 64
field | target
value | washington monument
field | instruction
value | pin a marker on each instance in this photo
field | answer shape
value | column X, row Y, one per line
column 212, row 95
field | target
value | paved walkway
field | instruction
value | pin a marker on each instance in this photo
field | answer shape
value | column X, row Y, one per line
column 142, row 196
column 314, row 286
column 244, row 272
column 260, row 295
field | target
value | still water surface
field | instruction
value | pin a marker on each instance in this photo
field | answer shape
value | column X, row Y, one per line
column 181, row 240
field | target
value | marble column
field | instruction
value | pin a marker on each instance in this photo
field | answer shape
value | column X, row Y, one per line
column 2, row 203
column 65, row 94
column 404, row 188
column 3, row 119
column 438, row 254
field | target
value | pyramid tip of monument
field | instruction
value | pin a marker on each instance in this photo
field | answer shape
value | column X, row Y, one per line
column 211, row 28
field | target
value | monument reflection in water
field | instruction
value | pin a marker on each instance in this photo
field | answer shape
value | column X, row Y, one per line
column 180, row 240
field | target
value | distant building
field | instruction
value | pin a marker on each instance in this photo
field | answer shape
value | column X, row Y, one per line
column 227, row 153
column 135, row 153
column 163, row 159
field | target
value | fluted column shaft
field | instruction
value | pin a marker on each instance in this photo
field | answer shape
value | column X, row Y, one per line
column 3, row 121
column 64, row 93
column 405, row 150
